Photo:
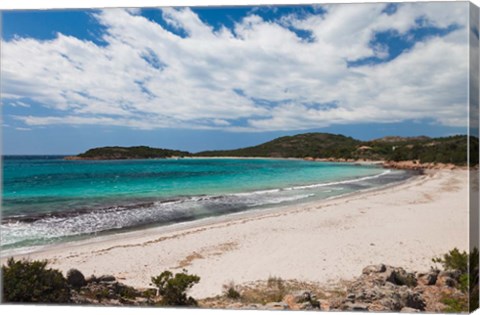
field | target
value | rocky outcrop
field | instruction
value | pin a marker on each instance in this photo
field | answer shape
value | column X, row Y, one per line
column 387, row 288
column 380, row 288
column 106, row 290
column 383, row 288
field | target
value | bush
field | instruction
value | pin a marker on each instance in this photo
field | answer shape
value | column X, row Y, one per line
column 468, row 280
column 173, row 288
column 276, row 289
column 455, row 305
column 473, row 305
column 31, row 282
column 454, row 260
column 231, row 291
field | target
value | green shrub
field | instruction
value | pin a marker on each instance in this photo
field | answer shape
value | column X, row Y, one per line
column 473, row 280
column 468, row 281
column 31, row 282
column 454, row 260
column 455, row 305
column 173, row 288
column 128, row 292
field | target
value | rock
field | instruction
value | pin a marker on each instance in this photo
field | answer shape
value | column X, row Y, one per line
column 290, row 300
column 302, row 296
column 115, row 302
column 306, row 306
column 76, row 279
column 276, row 306
column 408, row 310
column 374, row 269
column 454, row 274
column 428, row 279
column 384, row 288
column 106, row 278
column 391, row 303
column 315, row 303
column 91, row 279
column 351, row 297
column 235, row 306
column 253, row 306
column 416, row 301
column 446, row 281
column 355, row 307
column 399, row 276
column 140, row 301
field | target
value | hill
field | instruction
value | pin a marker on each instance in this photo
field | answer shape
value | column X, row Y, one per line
column 126, row 153
column 451, row 149
column 325, row 146
column 298, row 146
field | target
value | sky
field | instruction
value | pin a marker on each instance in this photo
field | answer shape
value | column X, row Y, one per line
column 227, row 77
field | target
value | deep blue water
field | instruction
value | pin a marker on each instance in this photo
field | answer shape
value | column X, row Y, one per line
column 47, row 199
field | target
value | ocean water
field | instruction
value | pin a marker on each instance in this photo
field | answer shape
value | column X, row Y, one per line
column 48, row 199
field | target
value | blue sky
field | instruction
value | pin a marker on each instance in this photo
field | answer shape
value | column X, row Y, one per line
column 219, row 78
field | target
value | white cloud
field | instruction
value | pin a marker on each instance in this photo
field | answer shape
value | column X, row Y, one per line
column 261, row 72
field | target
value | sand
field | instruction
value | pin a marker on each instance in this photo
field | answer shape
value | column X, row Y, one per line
column 405, row 225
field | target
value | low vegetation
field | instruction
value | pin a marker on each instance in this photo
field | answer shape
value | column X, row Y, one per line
column 32, row 282
column 272, row 290
column 231, row 291
column 173, row 288
column 467, row 265
column 450, row 286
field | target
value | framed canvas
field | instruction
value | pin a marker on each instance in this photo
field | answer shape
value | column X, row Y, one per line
column 319, row 157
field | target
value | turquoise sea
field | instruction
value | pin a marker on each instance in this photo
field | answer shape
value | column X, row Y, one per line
column 47, row 199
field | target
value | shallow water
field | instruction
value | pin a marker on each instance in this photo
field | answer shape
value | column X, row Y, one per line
column 48, row 199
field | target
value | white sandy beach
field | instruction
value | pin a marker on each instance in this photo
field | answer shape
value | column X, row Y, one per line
column 405, row 225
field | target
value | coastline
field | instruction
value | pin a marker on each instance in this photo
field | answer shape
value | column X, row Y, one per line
column 405, row 224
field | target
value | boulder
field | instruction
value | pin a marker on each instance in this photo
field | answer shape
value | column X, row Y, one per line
column 302, row 296
column 383, row 288
column 276, row 306
column 106, row 278
column 454, row 274
column 446, row 281
column 76, row 279
column 374, row 269
column 408, row 310
column 428, row 278
column 415, row 300
column 399, row 276
column 355, row 307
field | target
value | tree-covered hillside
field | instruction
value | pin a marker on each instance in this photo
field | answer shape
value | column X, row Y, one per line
column 122, row 153
column 298, row 146
column 452, row 149
column 322, row 145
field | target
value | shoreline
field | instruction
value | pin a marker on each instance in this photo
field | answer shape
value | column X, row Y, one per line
column 321, row 241
column 214, row 219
